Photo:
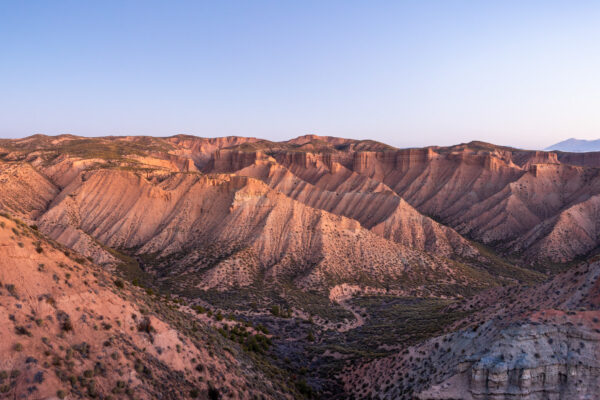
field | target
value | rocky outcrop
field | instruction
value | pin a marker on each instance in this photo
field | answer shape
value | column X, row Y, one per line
column 580, row 159
column 231, row 160
column 201, row 150
column 527, row 343
column 532, row 362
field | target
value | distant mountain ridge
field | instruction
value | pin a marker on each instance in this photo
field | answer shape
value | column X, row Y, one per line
column 576, row 145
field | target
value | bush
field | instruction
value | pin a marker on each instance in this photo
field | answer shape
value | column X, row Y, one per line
column 79, row 260
column 11, row 289
column 213, row 393
column 21, row 330
column 199, row 309
column 82, row 348
column 67, row 325
column 18, row 347
column 145, row 325
column 303, row 388
column 257, row 343
column 119, row 283
column 262, row 328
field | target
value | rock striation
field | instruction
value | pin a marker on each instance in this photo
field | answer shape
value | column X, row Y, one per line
column 528, row 343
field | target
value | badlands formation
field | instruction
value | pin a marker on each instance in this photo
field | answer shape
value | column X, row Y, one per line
column 317, row 267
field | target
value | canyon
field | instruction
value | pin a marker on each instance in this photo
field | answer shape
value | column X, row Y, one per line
column 315, row 267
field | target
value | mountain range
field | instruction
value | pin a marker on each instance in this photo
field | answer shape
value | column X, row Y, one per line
column 318, row 266
column 576, row 146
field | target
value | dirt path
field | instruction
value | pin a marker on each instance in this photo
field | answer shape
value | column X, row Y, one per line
column 358, row 318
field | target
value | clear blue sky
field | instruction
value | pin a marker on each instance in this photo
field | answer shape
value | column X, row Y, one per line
column 413, row 73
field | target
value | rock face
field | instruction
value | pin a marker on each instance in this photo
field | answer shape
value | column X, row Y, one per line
column 372, row 204
column 526, row 370
column 503, row 197
column 535, row 343
column 519, row 202
column 317, row 203
column 258, row 230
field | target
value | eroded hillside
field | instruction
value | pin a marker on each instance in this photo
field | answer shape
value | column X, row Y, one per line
column 522, row 342
column 71, row 329
column 315, row 267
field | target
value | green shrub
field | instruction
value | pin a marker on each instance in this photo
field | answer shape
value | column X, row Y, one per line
column 199, row 309
column 303, row 388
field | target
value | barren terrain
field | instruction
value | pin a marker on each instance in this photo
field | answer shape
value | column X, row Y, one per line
column 315, row 267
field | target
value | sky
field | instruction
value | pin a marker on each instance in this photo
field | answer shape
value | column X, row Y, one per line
column 407, row 73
